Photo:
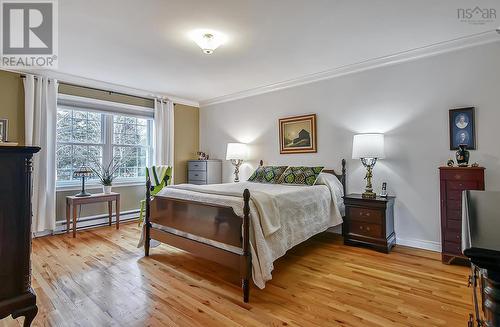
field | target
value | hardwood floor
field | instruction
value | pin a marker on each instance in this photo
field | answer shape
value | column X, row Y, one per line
column 102, row 279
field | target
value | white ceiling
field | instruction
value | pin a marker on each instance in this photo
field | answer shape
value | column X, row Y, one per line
column 144, row 44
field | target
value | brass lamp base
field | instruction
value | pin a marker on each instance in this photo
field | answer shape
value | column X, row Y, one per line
column 369, row 195
column 236, row 163
column 369, row 163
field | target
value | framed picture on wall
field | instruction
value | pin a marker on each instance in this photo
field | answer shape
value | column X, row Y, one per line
column 298, row 134
column 3, row 130
column 462, row 128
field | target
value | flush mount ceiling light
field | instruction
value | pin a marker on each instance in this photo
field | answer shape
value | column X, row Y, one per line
column 208, row 40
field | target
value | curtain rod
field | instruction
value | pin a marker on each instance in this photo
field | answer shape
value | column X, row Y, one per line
column 102, row 90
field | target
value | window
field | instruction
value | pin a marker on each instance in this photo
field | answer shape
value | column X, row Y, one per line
column 131, row 145
column 79, row 141
column 85, row 138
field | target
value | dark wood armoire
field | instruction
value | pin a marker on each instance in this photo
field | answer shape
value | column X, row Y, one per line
column 454, row 180
column 17, row 298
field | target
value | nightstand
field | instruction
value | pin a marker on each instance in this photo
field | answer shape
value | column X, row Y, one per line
column 369, row 222
column 202, row 172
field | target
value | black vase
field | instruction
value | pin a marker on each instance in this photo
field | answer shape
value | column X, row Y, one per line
column 462, row 155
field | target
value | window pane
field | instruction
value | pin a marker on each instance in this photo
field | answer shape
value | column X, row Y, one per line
column 64, row 175
column 86, row 155
column 79, row 141
column 79, row 131
column 131, row 162
column 77, row 126
column 94, row 131
column 142, row 134
column 131, row 145
column 64, row 156
column 63, row 125
column 130, row 131
column 77, row 114
column 72, row 157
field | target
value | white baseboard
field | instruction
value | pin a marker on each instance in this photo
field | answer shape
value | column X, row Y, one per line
column 413, row 243
column 420, row 244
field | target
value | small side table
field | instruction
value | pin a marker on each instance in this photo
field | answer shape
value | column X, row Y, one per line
column 94, row 198
column 369, row 222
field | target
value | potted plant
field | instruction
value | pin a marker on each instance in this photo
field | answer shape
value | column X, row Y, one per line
column 106, row 174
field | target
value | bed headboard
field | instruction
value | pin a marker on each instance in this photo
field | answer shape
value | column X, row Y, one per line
column 341, row 176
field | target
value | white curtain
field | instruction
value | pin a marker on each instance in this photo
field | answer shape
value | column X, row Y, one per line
column 40, row 107
column 164, row 133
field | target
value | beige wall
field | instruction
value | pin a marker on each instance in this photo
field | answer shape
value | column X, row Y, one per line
column 186, row 139
column 12, row 104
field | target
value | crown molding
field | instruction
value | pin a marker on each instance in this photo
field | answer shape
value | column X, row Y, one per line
column 400, row 57
column 88, row 82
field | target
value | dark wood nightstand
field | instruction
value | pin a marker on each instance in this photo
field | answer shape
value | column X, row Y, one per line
column 369, row 222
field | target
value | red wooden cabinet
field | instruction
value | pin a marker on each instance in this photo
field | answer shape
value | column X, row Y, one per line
column 453, row 181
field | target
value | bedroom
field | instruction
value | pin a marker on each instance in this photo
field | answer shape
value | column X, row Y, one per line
column 129, row 85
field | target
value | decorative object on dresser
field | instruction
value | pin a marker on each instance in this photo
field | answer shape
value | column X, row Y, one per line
column 237, row 153
column 16, row 295
column 462, row 156
column 369, row 222
column 298, row 134
column 383, row 192
column 481, row 244
column 75, row 201
column 82, row 172
column 453, row 181
column 202, row 155
column 369, row 148
column 462, row 128
column 203, row 172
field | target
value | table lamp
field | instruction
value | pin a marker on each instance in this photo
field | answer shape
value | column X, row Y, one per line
column 368, row 148
column 236, row 152
column 82, row 172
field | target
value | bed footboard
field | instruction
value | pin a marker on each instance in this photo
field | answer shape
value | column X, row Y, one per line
column 208, row 231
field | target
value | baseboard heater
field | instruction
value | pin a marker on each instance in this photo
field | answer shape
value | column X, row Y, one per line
column 91, row 222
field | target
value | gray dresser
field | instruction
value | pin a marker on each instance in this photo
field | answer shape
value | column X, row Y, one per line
column 203, row 172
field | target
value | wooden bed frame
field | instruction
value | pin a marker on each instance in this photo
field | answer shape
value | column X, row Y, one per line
column 184, row 225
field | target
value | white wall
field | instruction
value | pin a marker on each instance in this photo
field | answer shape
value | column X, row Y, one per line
column 408, row 102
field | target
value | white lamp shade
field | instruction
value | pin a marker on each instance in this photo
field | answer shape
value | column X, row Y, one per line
column 236, row 151
column 368, row 146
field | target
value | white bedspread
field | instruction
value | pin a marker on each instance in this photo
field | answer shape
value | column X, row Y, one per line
column 281, row 216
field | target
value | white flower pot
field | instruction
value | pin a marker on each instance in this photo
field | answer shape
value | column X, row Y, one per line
column 106, row 189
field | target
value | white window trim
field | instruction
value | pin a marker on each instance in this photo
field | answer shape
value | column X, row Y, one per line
column 108, row 108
